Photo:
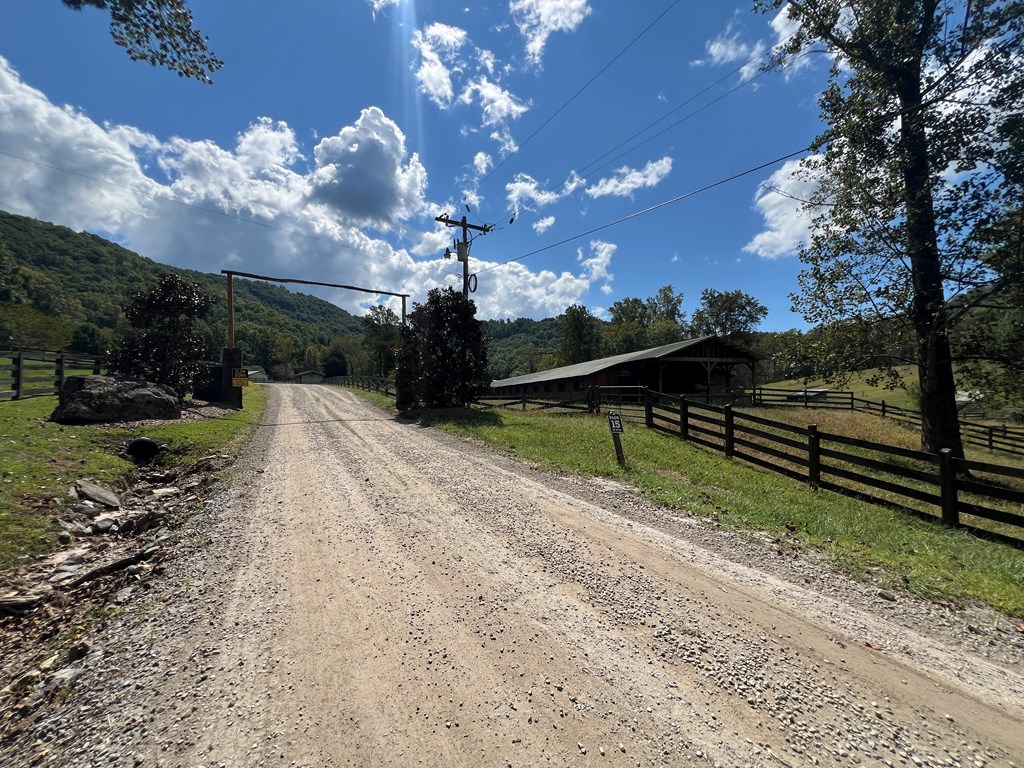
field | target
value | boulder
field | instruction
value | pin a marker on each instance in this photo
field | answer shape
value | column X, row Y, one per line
column 113, row 398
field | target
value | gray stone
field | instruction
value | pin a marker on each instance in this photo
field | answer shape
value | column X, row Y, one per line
column 95, row 492
column 104, row 524
column 111, row 398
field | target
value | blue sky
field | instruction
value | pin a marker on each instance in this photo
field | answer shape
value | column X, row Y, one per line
column 337, row 131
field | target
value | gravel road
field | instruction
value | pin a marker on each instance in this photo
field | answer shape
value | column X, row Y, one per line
column 368, row 592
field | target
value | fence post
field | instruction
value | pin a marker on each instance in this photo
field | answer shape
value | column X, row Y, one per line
column 991, row 441
column 684, row 419
column 851, row 401
column 813, row 455
column 883, row 409
column 648, row 409
column 727, row 409
column 947, row 484
column 60, row 371
column 19, row 373
column 96, row 367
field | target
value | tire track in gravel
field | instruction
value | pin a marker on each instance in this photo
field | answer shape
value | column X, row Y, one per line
column 401, row 601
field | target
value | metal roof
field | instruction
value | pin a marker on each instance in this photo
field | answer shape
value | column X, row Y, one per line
column 594, row 366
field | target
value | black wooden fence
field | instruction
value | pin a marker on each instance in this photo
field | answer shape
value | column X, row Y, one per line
column 995, row 437
column 32, row 373
column 380, row 384
column 963, row 493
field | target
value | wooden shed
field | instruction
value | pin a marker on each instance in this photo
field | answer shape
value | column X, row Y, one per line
column 698, row 368
column 309, row 377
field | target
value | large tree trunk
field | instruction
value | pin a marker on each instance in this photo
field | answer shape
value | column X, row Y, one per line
column 940, row 423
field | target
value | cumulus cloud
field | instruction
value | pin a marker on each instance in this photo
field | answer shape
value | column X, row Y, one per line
column 438, row 46
column 543, row 225
column 787, row 225
column 255, row 205
column 627, row 180
column 364, row 175
column 537, row 20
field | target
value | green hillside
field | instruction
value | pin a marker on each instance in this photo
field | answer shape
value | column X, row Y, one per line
column 60, row 288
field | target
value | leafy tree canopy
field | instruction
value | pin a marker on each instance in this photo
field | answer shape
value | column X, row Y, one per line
column 443, row 355
column 162, row 344
column 922, row 107
column 729, row 314
column 160, row 32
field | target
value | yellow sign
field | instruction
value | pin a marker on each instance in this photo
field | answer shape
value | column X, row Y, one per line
column 239, row 377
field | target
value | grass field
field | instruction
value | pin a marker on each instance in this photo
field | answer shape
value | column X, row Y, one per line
column 894, row 549
column 41, row 460
column 861, row 388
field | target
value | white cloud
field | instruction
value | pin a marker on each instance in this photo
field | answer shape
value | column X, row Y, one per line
column 364, row 175
column 482, row 162
column 295, row 222
column 538, row 19
column 627, row 180
column 499, row 106
column 438, row 46
column 727, row 48
column 379, row 5
column 787, row 225
column 525, row 192
column 543, row 225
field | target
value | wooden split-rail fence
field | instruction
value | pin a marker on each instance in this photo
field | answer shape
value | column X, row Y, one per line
column 33, row 373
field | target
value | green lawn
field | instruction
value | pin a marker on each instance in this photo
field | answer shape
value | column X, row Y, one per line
column 41, row 460
column 861, row 388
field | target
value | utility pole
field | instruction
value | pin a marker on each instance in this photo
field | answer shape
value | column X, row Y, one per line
column 462, row 247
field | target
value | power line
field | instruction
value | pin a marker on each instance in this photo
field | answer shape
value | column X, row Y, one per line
column 572, row 98
column 588, row 167
column 652, row 208
column 165, row 198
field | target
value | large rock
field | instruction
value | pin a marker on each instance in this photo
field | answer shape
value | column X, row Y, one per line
column 112, row 398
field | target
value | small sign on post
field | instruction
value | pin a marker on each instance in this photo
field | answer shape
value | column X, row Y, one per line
column 615, row 425
column 239, row 377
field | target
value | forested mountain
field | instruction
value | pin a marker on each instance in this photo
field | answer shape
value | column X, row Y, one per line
column 61, row 289
column 521, row 346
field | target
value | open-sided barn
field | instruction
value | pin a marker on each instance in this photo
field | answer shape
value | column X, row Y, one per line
column 699, row 368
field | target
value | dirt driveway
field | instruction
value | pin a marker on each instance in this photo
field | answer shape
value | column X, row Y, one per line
column 374, row 593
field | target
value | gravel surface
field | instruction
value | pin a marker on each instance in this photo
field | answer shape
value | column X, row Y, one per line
column 369, row 592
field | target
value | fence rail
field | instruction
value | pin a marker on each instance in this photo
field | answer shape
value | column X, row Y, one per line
column 994, row 437
column 34, row 373
column 978, row 496
column 380, row 384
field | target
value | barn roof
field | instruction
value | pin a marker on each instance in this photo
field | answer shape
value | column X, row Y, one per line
column 578, row 370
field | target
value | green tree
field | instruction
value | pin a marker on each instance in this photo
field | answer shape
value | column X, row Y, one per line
column 920, row 107
column 442, row 361
column 162, row 344
column 380, row 326
column 729, row 314
column 160, row 32
column 336, row 361
column 89, row 339
column 579, row 336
